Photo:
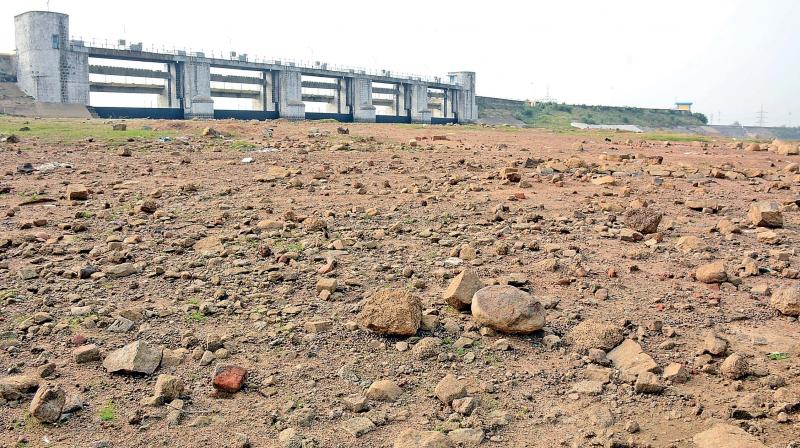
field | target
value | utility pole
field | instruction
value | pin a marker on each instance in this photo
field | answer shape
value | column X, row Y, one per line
column 761, row 117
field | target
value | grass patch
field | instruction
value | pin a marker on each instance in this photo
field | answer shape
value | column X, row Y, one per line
column 108, row 412
column 243, row 145
column 288, row 247
column 196, row 316
column 73, row 130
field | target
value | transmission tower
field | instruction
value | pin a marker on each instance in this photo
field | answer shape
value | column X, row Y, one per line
column 761, row 117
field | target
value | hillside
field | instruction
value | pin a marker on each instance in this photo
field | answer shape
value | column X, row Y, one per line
column 559, row 116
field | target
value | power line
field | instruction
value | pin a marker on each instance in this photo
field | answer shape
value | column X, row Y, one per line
column 761, row 116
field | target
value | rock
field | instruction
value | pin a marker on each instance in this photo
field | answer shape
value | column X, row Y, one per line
column 318, row 326
column 722, row 435
column 391, row 312
column 786, row 299
column 355, row 403
column 229, row 379
column 77, row 192
column 15, row 387
column 461, row 289
column 290, row 438
column 384, row 390
column 412, row 438
column 427, row 347
column 358, row 426
column 450, row 388
column 507, row 309
column 734, row 367
column 643, row 220
column 648, row 383
column 630, row 358
column 466, row 437
column 588, row 387
column 714, row 344
column 119, row 127
column 169, row 387
column 630, row 235
column 86, row 353
column 689, row 243
column 596, row 334
column 675, row 373
column 711, row 272
column 47, row 404
column 464, row 406
column 604, row 180
column 765, row 214
column 120, row 270
column 210, row 246
column 136, row 357
column 327, row 284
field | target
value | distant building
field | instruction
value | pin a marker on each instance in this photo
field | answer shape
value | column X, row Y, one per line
column 683, row 106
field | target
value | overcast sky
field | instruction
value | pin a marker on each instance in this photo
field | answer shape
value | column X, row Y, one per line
column 726, row 56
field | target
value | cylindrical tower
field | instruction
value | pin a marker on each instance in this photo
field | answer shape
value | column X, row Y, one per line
column 47, row 69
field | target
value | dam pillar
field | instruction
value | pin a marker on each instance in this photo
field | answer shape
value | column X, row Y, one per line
column 195, row 80
column 290, row 95
column 417, row 95
column 466, row 109
column 363, row 109
column 48, row 68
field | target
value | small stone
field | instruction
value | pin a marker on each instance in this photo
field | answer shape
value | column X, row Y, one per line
column 722, row 435
column 461, row 289
column 594, row 334
column 711, row 272
column 648, row 383
column 391, row 312
column 466, row 437
column 384, row 390
column 358, row 426
column 412, row 438
column 229, row 379
column 786, row 299
column 714, row 344
column 631, row 359
column 86, row 353
column 507, row 309
column 765, row 214
column 47, row 404
column 676, row 373
column 450, row 388
column 77, row 192
column 136, row 357
column 327, row 284
column 734, row 367
column 169, row 387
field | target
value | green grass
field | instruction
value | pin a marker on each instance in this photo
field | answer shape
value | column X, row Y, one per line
column 243, row 145
column 107, row 413
column 288, row 247
column 196, row 316
column 54, row 130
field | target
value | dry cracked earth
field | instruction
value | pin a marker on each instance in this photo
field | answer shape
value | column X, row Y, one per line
column 292, row 284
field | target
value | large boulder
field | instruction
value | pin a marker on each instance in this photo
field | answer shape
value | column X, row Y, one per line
column 461, row 289
column 765, row 214
column 507, row 309
column 591, row 334
column 391, row 312
column 136, row 357
column 643, row 220
column 787, row 300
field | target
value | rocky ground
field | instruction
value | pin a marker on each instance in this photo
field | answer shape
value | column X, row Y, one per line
column 298, row 285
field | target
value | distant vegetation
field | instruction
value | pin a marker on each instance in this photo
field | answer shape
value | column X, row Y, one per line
column 559, row 116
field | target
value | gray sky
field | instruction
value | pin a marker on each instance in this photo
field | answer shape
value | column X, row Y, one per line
column 728, row 56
